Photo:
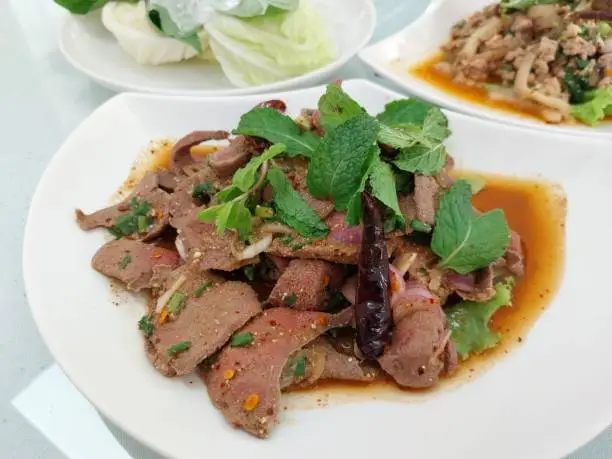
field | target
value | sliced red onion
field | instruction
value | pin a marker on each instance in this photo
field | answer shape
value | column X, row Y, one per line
column 342, row 232
column 280, row 263
column 349, row 289
column 463, row 283
column 414, row 291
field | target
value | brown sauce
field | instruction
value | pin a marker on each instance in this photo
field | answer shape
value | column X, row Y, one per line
column 536, row 210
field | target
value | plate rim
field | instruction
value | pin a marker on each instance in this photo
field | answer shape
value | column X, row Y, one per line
column 285, row 85
column 439, row 97
column 119, row 99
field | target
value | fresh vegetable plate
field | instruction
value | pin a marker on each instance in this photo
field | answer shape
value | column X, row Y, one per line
column 544, row 399
column 93, row 50
column 403, row 57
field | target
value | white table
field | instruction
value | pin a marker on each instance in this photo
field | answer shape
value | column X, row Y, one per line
column 41, row 100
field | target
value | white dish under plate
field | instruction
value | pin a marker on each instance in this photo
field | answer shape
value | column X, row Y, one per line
column 394, row 56
column 542, row 401
column 93, row 50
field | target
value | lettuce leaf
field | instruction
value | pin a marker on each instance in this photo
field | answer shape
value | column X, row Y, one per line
column 469, row 321
column 597, row 107
column 269, row 48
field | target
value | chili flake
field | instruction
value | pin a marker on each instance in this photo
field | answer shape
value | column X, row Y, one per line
column 229, row 374
column 251, row 402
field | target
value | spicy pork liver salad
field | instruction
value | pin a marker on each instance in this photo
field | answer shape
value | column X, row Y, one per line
column 550, row 58
column 334, row 246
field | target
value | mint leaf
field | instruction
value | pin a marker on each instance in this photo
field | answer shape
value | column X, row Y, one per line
column 343, row 158
column 463, row 240
column 382, row 183
column 230, row 215
column 406, row 111
column 336, row 107
column 246, row 177
column 422, row 159
column 81, row 6
column 469, row 321
column 160, row 18
column 401, row 136
column 477, row 183
column 229, row 193
column 428, row 155
column 292, row 209
column 275, row 127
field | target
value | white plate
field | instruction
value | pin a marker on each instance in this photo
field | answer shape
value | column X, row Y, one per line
column 93, row 50
column 394, row 56
column 542, row 401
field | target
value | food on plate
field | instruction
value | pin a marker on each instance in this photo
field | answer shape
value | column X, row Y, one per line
column 548, row 59
column 336, row 245
column 254, row 41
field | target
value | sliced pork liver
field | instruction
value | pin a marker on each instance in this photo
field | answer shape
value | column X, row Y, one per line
column 344, row 367
column 482, row 289
column 206, row 247
column 228, row 160
column 133, row 262
column 426, row 191
column 147, row 190
column 303, row 285
column 419, row 351
column 206, row 323
column 244, row 382
column 181, row 152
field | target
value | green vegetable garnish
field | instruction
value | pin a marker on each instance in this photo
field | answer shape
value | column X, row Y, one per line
column 577, row 86
column 597, row 107
column 197, row 293
column 275, row 127
column 178, row 348
column 300, row 367
column 603, row 29
column 202, row 190
column 177, row 302
column 336, row 107
column 292, row 209
column 338, row 167
column 81, row 6
column 145, row 325
column 420, row 226
column 469, row 321
column 125, row 261
column 520, row 5
column 249, row 272
column 290, row 300
column 477, row 184
column 137, row 221
column 406, row 111
column 382, row 185
column 242, row 339
column 264, row 212
column 463, row 240
column 234, row 213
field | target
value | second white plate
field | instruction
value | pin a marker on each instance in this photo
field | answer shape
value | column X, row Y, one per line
column 93, row 50
column 394, row 56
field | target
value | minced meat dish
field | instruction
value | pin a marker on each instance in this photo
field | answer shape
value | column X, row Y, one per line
column 551, row 58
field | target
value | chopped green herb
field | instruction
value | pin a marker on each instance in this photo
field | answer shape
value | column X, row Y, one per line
column 197, row 293
column 336, row 299
column 125, row 261
column 459, row 24
column 300, row 367
column 178, row 348
column 286, row 240
column 576, row 85
column 264, row 212
column 138, row 221
column 177, row 302
column 299, row 245
column 145, row 325
column 143, row 224
column 249, row 272
column 290, row 300
column 420, row 226
column 202, row 190
column 603, row 29
column 242, row 339
column 582, row 63
column 584, row 31
column 507, row 66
